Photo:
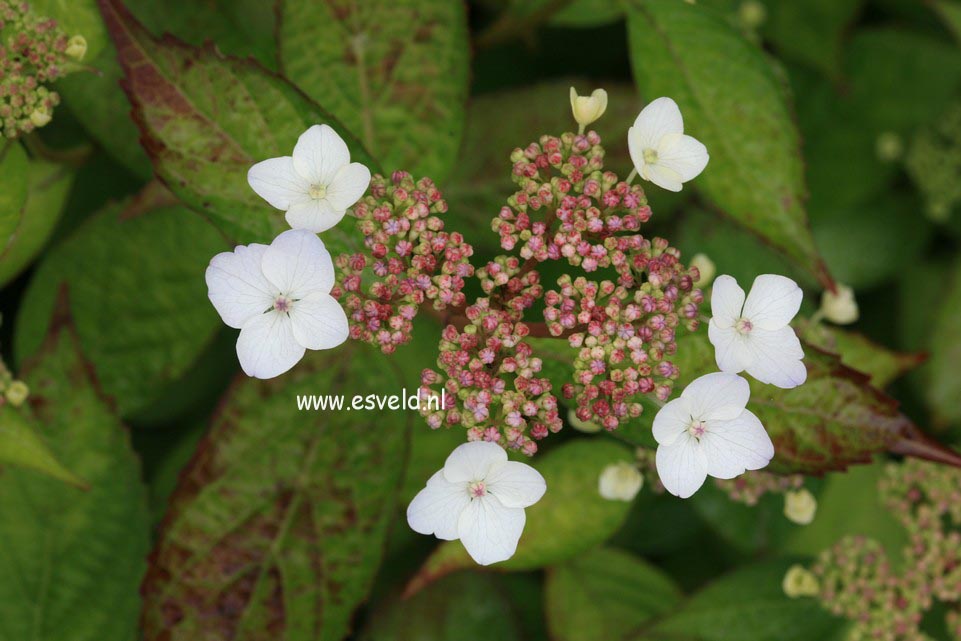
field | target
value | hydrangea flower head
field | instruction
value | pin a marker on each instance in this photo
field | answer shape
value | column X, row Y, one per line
column 478, row 497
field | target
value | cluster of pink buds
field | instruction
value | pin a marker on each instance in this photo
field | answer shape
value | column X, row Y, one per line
column 34, row 51
column 624, row 338
column 410, row 260
column 749, row 487
column 493, row 375
column 858, row 581
column 568, row 208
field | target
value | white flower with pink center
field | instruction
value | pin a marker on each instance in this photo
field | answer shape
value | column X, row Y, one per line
column 316, row 185
column 478, row 497
column 707, row 431
column 754, row 335
column 278, row 296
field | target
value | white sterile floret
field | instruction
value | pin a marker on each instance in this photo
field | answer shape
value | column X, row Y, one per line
column 478, row 497
column 659, row 149
column 278, row 296
column 708, row 431
column 316, row 185
column 754, row 335
column 840, row 307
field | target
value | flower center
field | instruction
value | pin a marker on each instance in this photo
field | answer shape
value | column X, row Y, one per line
column 650, row 156
column 283, row 304
column 317, row 191
column 697, row 429
column 477, row 489
column 743, row 326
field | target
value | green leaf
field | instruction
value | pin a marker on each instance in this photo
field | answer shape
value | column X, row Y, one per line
column 870, row 243
column 746, row 605
column 900, row 80
column 735, row 102
column 570, row 519
column 943, row 387
column 395, row 72
column 604, row 595
column 72, row 559
column 950, row 13
column 586, row 13
column 206, row 118
column 14, row 167
column 835, row 419
column 47, row 187
column 810, row 31
column 137, row 294
column 22, row 445
column 859, row 352
column 463, row 607
column 278, row 523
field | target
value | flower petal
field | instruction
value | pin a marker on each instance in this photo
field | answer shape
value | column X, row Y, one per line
column 718, row 396
column 730, row 352
column 319, row 321
column 437, row 508
column 314, row 215
column 348, row 186
column 236, row 285
column 774, row 300
column 672, row 420
column 266, row 346
column 297, row 263
column 662, row 176
column 681, row 466
column 733, row 446
column 727, row 300
column 515, row 484
column 473, row 461
column 277, row 182
column 685, row 155
column 658, row 119
column 776, row 357
column 319, row 154
column 489, row 530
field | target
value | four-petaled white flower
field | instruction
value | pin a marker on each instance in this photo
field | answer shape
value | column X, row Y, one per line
column 754, row 335
column 661, row 152
column 708, row 431
column 478, row 497
column 316, row 185
column 278, row 296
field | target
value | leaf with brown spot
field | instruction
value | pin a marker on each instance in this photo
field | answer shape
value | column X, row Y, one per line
column 71, row 559
column 396, row 72
column 205, row 118
column 277, row 525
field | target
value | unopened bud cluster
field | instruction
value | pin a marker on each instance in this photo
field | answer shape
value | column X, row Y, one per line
column 748, row 488
column 34, row 51
column 858, row 581
column 494, row 377
column 623, row 338
column 410, row 260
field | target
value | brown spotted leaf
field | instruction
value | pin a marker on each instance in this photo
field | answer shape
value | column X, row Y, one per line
column 205, row 118
column 859, row 352
column 277, row 525
column 395, row 72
